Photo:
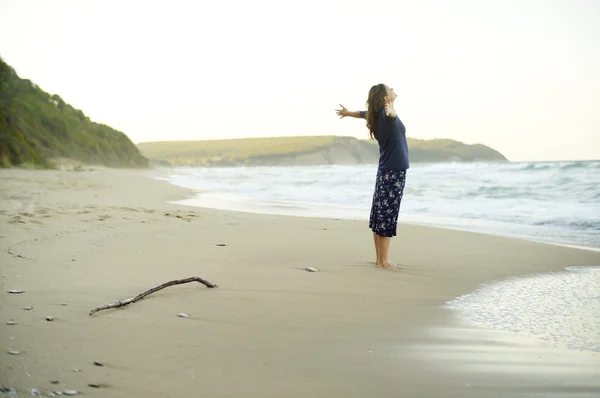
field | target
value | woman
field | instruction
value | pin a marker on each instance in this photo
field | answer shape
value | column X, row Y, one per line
column 385, row 126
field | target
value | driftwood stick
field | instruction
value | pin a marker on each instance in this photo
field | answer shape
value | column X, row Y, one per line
column 154, row 289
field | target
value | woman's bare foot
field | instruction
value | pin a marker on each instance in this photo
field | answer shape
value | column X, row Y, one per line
column 387, row 265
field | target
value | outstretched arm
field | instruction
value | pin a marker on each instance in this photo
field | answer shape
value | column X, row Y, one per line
column 342, row 113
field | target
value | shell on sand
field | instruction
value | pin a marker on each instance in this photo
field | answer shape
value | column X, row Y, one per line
column 16, row 291
column 311, row 269
column 182, row 315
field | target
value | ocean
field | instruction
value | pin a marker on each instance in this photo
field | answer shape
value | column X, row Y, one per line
column 553, row 202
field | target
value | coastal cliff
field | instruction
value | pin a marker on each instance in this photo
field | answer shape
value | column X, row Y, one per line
column 304, row 151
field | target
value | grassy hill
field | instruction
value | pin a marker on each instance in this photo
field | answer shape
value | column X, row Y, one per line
column 304, row 151
column 239, row 151
column 36, row 127
column 437, row 150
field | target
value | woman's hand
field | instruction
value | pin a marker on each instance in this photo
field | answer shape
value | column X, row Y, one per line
column 342, row 112
column 389, row 107
column 387, row 103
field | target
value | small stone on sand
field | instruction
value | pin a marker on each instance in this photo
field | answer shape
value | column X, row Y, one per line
column 14, row 352
column 98, row 363
column 94, row 385
column 16, row 291
column 27, row 308
column 54, row 381
column 70, row 393
column 311, row 269
column 221, row 244
column 11, row 323
column 182, row 315
column 49, row 318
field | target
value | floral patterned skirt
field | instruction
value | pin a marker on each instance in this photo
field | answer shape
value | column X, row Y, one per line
column 389, row 188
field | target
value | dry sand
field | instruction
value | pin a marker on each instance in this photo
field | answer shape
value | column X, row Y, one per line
column 77, row 240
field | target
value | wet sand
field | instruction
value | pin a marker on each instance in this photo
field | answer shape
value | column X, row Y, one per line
column 74, row 241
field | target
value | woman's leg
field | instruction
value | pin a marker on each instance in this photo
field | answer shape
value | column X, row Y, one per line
column 383, row 252
column 376, row 241
column 373, row 216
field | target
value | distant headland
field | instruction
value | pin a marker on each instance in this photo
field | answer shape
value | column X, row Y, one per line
column 304, row 151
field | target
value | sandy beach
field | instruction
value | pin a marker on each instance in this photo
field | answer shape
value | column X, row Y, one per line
column 73, row 241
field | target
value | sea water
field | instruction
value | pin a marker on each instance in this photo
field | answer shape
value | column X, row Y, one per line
column 556, row 202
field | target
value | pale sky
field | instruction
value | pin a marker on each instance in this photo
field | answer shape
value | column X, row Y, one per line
column 521, row 76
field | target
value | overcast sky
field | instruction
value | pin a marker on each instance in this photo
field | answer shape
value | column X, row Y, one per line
column 520, row 76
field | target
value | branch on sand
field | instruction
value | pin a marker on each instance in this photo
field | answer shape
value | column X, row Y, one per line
column 154, row 289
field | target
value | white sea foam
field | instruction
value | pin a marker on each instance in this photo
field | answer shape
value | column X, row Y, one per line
column 560, row 308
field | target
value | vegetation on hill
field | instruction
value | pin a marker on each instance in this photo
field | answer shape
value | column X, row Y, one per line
column 231, row 152
column 445, row 149
column 304, row 150
column 36, row 127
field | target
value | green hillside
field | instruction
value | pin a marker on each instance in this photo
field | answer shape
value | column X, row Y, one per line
column 445, row 149
column 238, row 151
column 36, row 127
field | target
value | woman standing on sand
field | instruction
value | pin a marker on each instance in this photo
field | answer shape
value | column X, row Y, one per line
column 385, row 126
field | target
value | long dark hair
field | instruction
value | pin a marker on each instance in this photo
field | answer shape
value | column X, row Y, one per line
column 375, row 102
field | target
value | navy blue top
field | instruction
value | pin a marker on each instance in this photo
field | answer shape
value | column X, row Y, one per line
column 391, row 137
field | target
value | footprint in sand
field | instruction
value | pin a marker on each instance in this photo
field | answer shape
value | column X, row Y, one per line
column 16, row 219
column 42, row 212
column 130, row 209
column 182, row 215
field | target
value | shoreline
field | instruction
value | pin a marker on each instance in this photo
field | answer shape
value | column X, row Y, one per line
column 195, row 192
column 565, row 299
column 429, row 225
column 492, row 218
column 88, row 238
